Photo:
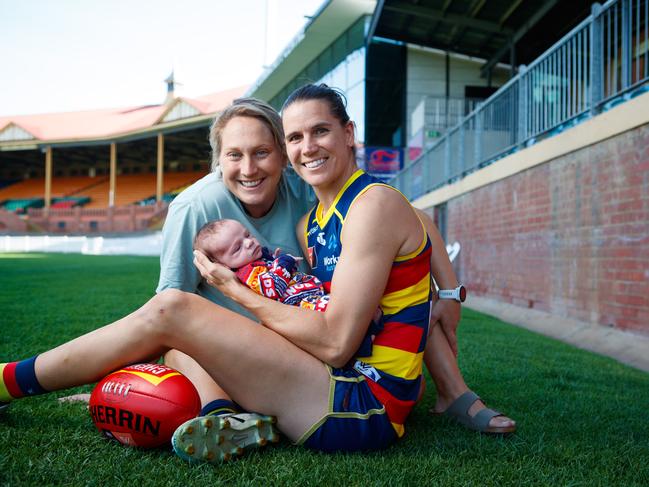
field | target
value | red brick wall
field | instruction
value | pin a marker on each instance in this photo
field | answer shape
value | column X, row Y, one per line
column 570, row 236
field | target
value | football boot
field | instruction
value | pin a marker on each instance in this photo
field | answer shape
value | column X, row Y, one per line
column 218, row 439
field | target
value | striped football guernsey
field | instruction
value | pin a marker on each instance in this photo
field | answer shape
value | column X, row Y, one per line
column 391, row 354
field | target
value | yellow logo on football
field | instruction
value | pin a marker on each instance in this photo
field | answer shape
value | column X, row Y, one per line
column 153, row 379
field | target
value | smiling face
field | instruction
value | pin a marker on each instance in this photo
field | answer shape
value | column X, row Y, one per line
column 319, row 146
column 230, row 244
column 251, row 164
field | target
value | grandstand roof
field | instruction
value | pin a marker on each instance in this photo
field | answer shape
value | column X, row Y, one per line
column 23, row 131
column 485, row 29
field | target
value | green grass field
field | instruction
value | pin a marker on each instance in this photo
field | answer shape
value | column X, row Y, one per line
column 583, row 419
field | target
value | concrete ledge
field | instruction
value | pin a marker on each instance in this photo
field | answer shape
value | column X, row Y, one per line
column 629, row 348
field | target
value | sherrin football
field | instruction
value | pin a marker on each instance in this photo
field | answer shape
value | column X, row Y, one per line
column 142, row 405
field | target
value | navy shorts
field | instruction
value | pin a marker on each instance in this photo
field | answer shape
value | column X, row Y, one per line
column 355, row 419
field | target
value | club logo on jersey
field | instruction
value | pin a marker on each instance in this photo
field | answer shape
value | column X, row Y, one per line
column 367, row 370
column 333, row 243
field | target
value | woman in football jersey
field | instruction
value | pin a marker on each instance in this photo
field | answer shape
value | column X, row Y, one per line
column 320, row 145
column 332, row 383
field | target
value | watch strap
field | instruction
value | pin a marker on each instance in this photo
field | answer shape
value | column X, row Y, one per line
column 447, row 294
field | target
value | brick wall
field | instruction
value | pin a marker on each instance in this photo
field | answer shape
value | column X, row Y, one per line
column 570, row 236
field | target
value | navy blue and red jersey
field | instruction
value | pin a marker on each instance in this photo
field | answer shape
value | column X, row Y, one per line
column 391, row 354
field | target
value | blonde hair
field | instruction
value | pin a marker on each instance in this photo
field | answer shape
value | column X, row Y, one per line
column 247, row 107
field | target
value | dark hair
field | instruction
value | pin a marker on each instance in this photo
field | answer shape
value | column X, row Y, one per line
column 333, row 96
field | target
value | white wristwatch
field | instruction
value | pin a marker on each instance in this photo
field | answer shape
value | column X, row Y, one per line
column 458, row 294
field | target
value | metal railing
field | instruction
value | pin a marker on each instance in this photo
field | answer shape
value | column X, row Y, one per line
column 442, row 113
column 601, row 62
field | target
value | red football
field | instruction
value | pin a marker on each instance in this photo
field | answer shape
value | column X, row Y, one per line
column 142, row 405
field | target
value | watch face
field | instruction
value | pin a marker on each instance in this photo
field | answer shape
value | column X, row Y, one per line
column 462, row 293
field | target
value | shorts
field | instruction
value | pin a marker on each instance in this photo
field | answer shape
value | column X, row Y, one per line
column 355, row 420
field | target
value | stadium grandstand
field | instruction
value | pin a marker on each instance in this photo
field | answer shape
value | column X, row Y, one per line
column 110, row 170
column 521, row 126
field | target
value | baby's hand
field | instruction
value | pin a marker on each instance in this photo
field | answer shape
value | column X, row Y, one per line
column 278, row 251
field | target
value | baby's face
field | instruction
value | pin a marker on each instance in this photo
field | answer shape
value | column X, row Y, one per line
column 233, row 246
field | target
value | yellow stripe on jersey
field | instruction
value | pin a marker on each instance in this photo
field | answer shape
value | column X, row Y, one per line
column 399, row 363
column 410, row 296
column 366, row 188
column 323, row 219
column 411, row 255
column 399, row 429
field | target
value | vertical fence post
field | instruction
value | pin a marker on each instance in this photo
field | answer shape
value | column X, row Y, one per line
column 405, row 180
column 461, row 164
column 447, row 158
column 626, row 44
column 523, row 104
column 596, row 58
column 427, row 184
column 477, row 146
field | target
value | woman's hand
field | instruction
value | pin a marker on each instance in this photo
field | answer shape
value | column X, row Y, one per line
column 216, row 275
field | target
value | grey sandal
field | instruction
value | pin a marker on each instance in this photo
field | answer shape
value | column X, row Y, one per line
column 459, row 410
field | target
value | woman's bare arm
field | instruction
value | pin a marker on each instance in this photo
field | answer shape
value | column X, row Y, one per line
column 380, row 226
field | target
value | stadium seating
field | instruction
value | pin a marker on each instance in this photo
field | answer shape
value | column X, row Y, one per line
column 166, row 197
column 68, row 192
column 133, row 188
column 20, row 205
column 70, row 202
column 35, row 187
